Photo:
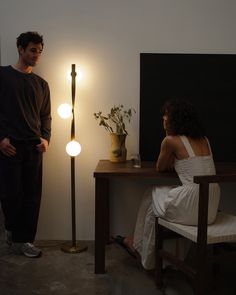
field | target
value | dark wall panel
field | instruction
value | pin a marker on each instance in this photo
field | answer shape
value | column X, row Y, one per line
column 208, row 80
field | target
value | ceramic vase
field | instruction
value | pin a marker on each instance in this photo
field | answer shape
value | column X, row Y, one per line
column 118, row 151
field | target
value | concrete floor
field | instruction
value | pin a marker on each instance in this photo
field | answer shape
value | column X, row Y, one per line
column 59, row 273
column 71, row 274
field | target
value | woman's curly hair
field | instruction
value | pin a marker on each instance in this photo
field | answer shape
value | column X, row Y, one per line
column 183, row 119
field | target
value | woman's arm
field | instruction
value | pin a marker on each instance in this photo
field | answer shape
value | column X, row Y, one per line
column 167, row 155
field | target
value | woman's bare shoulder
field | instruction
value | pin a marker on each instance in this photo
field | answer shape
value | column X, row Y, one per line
column 171, row 139
column 173, row 143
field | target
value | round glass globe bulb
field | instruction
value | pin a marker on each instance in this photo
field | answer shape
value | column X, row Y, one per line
column 64, row 111
column 73, row 148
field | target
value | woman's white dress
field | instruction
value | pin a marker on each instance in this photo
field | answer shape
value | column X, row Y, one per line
column 176, row 204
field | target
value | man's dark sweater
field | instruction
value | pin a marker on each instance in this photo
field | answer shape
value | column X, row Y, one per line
column 24, row 105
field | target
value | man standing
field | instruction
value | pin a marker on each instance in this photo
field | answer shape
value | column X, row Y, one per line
column 25, row 129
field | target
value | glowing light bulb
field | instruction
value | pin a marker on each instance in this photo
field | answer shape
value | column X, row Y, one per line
column 73, row 148
column 64, row 111
column 79, row 75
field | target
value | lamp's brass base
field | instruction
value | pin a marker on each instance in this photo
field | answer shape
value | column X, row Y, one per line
column 72, row 249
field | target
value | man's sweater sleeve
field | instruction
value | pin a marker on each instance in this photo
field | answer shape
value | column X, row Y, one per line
column 45, row 115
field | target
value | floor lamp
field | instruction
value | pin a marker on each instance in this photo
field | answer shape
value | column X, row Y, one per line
column 73, row 149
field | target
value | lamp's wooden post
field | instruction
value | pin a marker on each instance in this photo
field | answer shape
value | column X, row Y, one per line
column 74, row 247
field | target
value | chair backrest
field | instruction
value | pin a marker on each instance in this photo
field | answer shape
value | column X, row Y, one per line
column 204, row 182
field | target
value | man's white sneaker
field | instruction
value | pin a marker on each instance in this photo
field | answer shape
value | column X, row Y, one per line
column 27, row 249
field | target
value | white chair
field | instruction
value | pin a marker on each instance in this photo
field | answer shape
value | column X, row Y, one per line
column 223, row 230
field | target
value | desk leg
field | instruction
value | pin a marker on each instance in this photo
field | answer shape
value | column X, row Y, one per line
column 101, row 222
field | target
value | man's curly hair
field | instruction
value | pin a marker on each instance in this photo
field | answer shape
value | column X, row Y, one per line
column 24, row 39
column 183, row 119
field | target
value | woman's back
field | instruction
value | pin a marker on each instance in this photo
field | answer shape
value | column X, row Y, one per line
column 182, row 203
column 193, row 157
column 198, row 147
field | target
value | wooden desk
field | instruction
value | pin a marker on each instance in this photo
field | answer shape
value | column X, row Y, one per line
column 106, row 170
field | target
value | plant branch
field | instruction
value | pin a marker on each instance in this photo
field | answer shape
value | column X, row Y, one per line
column 115, row 118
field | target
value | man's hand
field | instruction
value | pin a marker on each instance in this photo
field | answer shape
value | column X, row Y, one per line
column 43, row 146
column 6, row 148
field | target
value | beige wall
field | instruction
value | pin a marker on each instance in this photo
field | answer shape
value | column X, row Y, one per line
column 104, row 38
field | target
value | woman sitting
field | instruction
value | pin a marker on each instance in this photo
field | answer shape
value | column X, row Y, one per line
column 185, row 149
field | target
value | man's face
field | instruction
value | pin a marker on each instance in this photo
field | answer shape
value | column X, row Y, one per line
column 31, row 54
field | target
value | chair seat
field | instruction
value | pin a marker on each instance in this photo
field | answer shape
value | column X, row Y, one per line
column 222, row 230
